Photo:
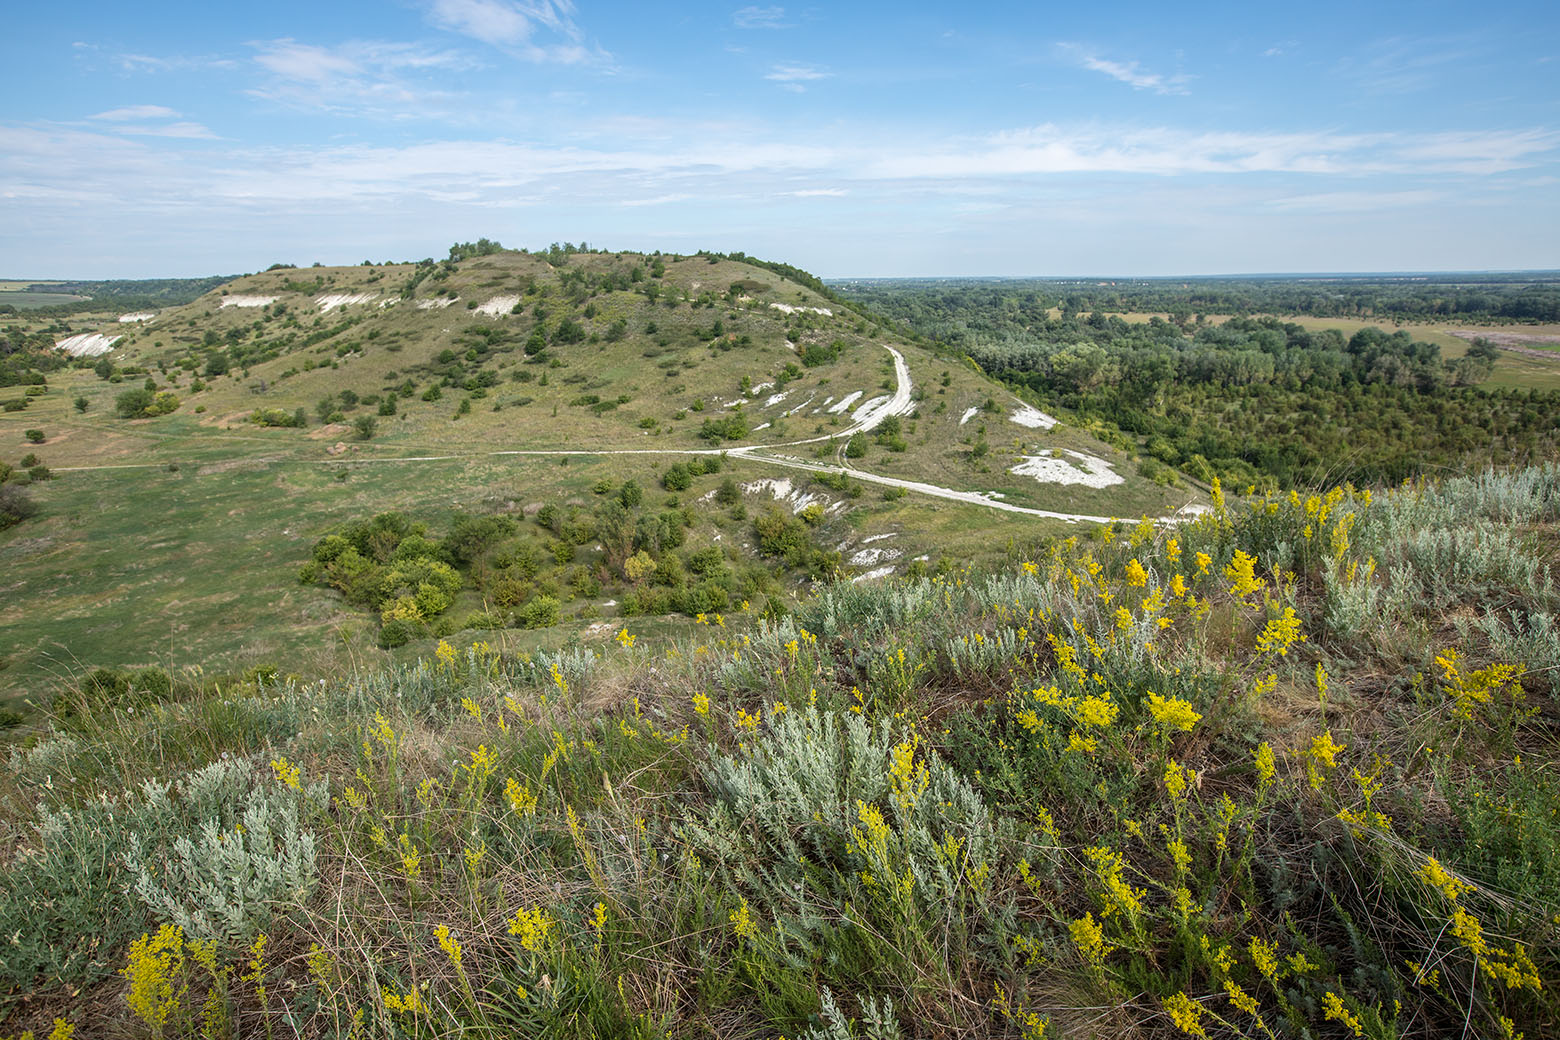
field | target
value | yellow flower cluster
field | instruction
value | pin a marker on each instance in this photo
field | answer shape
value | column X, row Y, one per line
column 1089, row 938
column 1334, row 1011
column 1118, row 896
column 411, row 1003
column 155, row 971
column 1177, row 777
column 1241, row 570
column 520, row 797
column 1280, row 634
column 531, row 927
column 1322, row 753
column 287, row 773
column 449, row 944
column 1186, row 1013
column 1478, row 687
column 907, row 778
column 1173, row 713
column 1267, row 765
column 742, row 922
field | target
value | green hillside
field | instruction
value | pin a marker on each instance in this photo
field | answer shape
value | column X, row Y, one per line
column 190, row 471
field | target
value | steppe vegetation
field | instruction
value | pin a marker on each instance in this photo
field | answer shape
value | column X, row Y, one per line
column 1284, row 770
column 450, row 648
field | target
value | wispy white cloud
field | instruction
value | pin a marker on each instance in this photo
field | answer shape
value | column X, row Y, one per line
column 793, row 77
column 185, row 130
column 659, row 200
column 129, row 120
column 1128, row 72
column 1356, row 201
column 512, row 26
column 753, row 17
column 365, row 77
column 69, row 177
column 119, row 115
column 151, row 63
column 1404, row 65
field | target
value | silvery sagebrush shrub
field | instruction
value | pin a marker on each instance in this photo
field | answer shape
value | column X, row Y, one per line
column 1529, row 637
column 877, row 1020
column 803, row 794
column 248, row 855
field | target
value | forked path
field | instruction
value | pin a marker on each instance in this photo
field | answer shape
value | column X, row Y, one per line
column 867, row 418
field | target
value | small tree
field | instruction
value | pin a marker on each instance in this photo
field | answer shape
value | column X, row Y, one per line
column 365, row 426
column 81, row 404
column 15, row 506
column 34, row 436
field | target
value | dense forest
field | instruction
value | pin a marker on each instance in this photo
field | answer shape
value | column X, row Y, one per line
column 1253, row 400
column 126, row 294
column 947, row 304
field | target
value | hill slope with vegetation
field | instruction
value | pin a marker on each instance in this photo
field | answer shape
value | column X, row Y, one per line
column 550, row 441
column 1288, row 769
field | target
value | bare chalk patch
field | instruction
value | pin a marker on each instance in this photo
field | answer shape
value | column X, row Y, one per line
column 247, row 301
column 1031, row 417
column 792, row 411
column 845, row 402
column 437, row 303
column 872, row 556
column 786, row 308
column 873, row 575
column 125, row 319
column 1079, row 469
column 330, row 301
column 498, row 305
column 968, row 415
column 796, row 499
column 87, row 344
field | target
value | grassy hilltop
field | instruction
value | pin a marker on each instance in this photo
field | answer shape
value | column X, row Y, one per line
column 197, row 464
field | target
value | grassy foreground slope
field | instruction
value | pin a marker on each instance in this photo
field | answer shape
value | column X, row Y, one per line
column 1288, row 770
column 494, row 386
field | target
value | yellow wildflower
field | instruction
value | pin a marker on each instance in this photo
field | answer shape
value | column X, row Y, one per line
column 449, row 944
column 531, row 927
column 1323, row 752
column 287, row 773
column 1280, row 634
column 1089, row 937
column 1186, row 1013
column 1173, row 712
column 1241, row 570
column 742, row 922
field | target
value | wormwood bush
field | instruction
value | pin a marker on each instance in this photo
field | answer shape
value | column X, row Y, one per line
column 1531, row 637
column 248, row 856
column 826, row 810
column 1450, row 565
column 63, row 908
column 878, row 1020
column 870, row 611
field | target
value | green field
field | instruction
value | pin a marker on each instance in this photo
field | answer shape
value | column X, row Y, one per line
column 33, row 300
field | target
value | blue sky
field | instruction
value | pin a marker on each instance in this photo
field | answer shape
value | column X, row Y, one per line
column 855, row 139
